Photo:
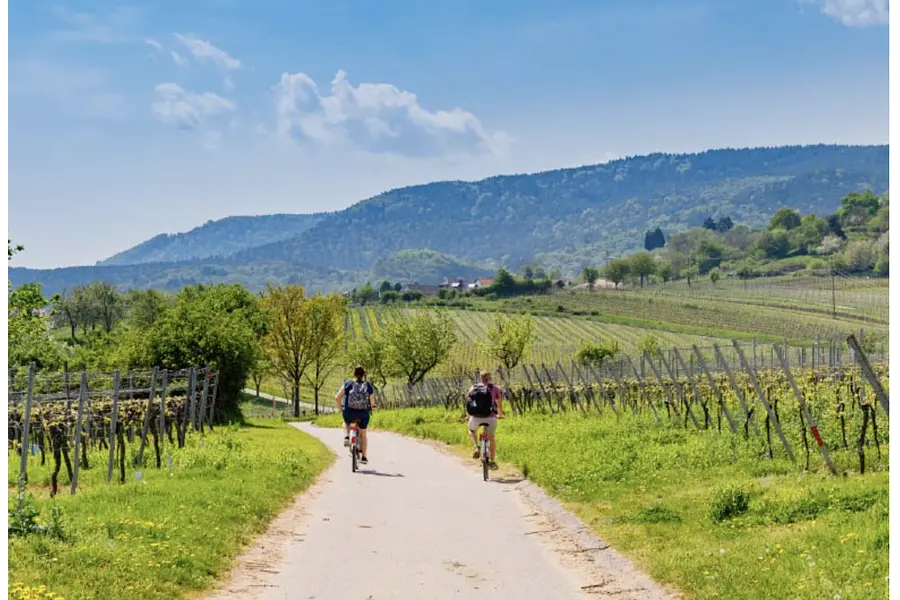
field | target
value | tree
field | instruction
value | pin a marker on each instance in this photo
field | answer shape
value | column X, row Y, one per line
column 385, row 286
column 366, row 294
column 417, row 344
column 709, row 223
column 715, row 275
column 649, row 344
column 288, row 341
column 325, row 320
column 108, row 304
column 856, row 208
column 28, row 337
column 724, row 224
column 398, row 287
column 13, row 250
column 370, row 352
column 218, row 326
column 590, row 276
column 643, row 265
column 509, row 337
column 690, row 274
column 504, row 283
column 146, row 307
column 834, row 226
column 711, row 255
column 785, row 218
column 260, row 368
column 654, row 239
column 617, row 271
column 528, row 273
column 774, row 244
column 665, row 272
column 595, row 353
column 64, row 314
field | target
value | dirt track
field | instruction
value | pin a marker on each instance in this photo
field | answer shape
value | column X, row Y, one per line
column 418, row 523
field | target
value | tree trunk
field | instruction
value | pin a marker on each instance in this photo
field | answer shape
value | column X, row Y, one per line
column 295, row 392
column 316, row 395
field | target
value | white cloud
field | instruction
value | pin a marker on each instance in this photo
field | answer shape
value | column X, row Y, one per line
column 156, row 45
column 204, row 51
column 187, row 110
column 855, row 13
column 377, row 117
column 178, row 59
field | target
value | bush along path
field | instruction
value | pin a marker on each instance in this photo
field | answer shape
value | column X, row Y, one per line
column 416, row 523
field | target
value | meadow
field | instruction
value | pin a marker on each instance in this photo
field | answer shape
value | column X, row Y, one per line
column 174, row 532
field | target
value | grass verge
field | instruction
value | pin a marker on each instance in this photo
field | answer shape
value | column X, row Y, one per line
column 698, row 510
column 171, row 534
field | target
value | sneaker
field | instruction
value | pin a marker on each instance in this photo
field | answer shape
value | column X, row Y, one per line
column 477, row 453
column 347, row 442
column 494, row 466
column 363, row 460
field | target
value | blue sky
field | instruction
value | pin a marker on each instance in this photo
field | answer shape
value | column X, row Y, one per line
column 127, row 120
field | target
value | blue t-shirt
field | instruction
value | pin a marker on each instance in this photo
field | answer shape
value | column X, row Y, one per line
column 348, row 385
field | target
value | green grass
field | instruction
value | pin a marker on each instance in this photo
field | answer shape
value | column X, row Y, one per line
column 698, row 510
column 174, row 533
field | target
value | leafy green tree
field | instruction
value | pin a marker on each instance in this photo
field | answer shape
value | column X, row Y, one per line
column 649, row 344
column 398, row 287
column 28, row 337
column 146, row 307
column 366, row 294
column 13, row 250
column 509, row 337
column 882, row 265
column 64, row 313
column 219, row 326
column 107, row 303
column 774, row 244
column 417, row 344
column 715, row 275
column 856, row 208
column 643, row 265
column 260, row 368
column 665, row 272
column 370, row 352
column 590, row 276
column 690, row 274
column 617, row 271
column 504, row 283
column 385, row 286
column 596, row 353
column 710, row 254
column 288, row 343
column 325, row 320
column 785, row 218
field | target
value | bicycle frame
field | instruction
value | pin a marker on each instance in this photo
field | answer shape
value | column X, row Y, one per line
column 354, row 445
column 485, row 452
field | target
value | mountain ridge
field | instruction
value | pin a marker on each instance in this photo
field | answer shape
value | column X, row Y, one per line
column 564, row 218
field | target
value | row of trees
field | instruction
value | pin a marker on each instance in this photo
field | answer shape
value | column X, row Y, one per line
column 854, row 239
column 282, row 333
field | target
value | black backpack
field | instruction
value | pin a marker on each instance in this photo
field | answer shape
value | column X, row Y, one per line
column 481, row 402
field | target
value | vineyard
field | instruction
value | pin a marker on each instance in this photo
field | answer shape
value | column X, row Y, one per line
column 831, row 405
column 107, row 418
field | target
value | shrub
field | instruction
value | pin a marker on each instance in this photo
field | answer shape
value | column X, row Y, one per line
column 728, row 502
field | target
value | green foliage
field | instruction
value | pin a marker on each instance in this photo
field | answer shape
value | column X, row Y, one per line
column 856, row 208
column 665, row 272
column 218, row 326
column 416, row 345
column 774, row 244
column 882, row 266
column 643, row 265
column 370, row 351
column 715, row 275
column 509, row 337
column 596, row 353
column 28, row 336
column 649, row 344
column 785, row 218
column 617, row 271
column 727, row 503
column 590, row 276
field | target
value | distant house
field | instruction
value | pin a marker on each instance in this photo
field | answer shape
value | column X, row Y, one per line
column 424, row 288
column 460, row 285
column 483, row 282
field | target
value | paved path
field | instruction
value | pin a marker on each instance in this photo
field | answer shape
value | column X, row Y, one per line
column 416, row 523
column 325, row 406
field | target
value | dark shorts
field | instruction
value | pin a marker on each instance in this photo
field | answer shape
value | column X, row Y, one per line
column 357, row 415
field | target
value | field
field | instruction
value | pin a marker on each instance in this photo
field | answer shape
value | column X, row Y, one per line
column 174, row 531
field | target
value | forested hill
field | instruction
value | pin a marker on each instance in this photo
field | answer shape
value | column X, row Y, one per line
column 215, row 238
column 564, row 218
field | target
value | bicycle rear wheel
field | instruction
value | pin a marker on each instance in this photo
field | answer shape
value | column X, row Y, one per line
column 354, row 453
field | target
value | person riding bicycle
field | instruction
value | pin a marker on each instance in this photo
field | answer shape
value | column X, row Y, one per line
column 355, row 400
column 484, row 405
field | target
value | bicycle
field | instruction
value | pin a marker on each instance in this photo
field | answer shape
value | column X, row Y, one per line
column 355, row 449
column 485, row 451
